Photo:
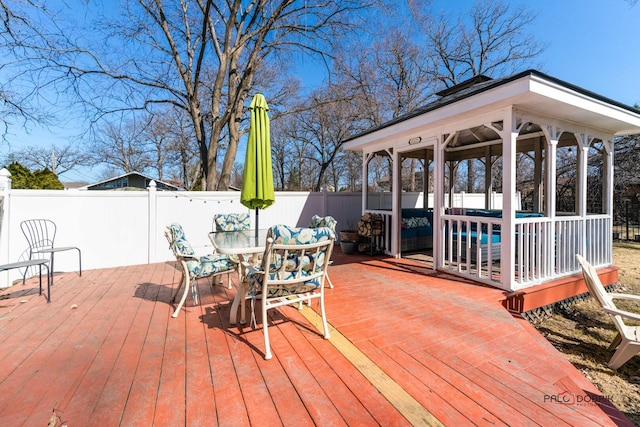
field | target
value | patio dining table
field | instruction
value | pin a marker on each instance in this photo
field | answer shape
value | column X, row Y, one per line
column 247, row 246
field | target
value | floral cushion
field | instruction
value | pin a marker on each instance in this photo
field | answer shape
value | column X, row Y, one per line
column 415, row 222
column 180, row 244
column 198, row 267
column 296, row 265
column 280, row 290
column 283, row 234
column 323, row 221
column 209, row 264
column 232, row 222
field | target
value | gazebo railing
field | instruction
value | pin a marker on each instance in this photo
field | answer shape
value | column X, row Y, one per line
column 544, row 248
column 533, row 250
column 599, row 242
column 472, row 247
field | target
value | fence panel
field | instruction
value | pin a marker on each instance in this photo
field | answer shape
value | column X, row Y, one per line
column 114, row 228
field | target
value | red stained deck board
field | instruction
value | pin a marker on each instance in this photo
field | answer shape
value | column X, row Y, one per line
column 18, row 337
column 368, row 396
column 514, row 386
column 171, row 387
column 201, row 404
column 142, row 396
column 86, row 339
column 464, row 401
column 319, row 404
column 418, row 385
column 197, row 369
column 81, row 405
column 489, row 394
column 280, row 386
column 46, row 364
column 256, row 396
column 113, row 400
column 306, row 342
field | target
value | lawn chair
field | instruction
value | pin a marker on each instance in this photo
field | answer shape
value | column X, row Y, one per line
column 627, row 342
column 326, row 221
column 41, row 234
column 194, row 267
column 26, row 264
column 293, row 270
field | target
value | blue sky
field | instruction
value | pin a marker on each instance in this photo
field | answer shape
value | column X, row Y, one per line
column 592, row 44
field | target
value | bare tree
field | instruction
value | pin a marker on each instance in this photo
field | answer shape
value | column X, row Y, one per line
column 493, row 40
column 388, row 76
column 183, row 159
column 58, row 159
column 322, row 129
column 159, row 135
column 201, row 56
column 122, row 147
column 627, row 162
column 15, row 29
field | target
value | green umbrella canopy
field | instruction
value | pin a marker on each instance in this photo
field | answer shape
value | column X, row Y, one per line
column 257, row 182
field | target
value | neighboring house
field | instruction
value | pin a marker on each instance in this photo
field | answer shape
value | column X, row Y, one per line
column 130, row 181
column 74, row 185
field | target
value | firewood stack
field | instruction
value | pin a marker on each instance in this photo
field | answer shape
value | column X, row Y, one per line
column 370, row 225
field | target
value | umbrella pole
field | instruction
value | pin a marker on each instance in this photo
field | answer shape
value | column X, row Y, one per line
column 257, row 223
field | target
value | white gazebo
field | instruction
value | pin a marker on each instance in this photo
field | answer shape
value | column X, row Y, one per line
column 544, row 142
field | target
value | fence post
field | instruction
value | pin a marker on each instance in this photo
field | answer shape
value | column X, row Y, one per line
column 152, row 220
column 324, row 203
column 5, row 224
column 626, row 217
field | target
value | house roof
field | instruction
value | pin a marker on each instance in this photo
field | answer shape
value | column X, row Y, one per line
column 161, row 185
column 529, row 90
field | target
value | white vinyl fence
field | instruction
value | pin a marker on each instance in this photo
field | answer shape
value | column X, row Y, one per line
column 118, row 228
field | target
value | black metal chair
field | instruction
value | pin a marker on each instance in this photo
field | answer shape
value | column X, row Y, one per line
column 41, row 234
column 41, row 262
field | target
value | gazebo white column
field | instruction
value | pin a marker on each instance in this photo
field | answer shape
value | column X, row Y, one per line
column 438, row 202
column 552, row 133
column 608, row 197
column 581, row 182
column 509, row 135
column 365, row 179
column 396, row 207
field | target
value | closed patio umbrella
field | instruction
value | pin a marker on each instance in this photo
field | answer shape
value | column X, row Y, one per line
column 257, row 180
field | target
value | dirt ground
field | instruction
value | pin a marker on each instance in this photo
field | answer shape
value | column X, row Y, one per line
column 583, row 334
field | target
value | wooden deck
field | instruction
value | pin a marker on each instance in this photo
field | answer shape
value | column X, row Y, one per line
column 409, row 346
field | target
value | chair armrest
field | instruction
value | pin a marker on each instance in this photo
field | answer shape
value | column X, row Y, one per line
column 251, row 268
column 626, row 314
column 189, row 257
column 616, row 295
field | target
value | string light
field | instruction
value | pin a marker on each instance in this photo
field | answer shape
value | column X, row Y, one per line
column 199, row 199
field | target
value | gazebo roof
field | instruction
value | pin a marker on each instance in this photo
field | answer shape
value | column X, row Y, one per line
column 530, row 91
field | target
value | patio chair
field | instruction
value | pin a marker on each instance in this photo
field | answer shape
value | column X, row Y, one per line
column 26, row 264
column 627, row 342
column 194, row 267
column 231, row 222
column 326, row 221
column 41, row 235
column 293, row 270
